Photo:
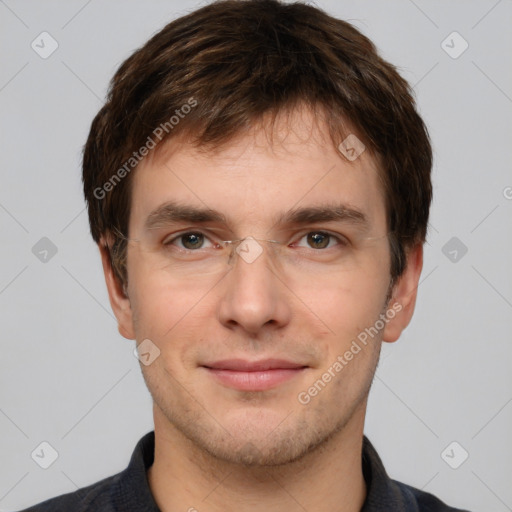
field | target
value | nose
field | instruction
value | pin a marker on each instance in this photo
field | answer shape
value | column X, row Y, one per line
column 253, row 297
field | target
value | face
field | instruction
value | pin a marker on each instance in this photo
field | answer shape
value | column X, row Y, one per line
column 255, row 339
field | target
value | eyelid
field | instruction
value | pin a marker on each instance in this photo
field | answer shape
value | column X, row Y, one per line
column 168, row 240
column 342, row 240
column 173, row 237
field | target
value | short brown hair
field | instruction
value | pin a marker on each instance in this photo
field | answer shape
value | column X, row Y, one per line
column 234, row 62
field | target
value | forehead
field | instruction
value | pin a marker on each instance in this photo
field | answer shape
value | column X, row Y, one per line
column 260, row 175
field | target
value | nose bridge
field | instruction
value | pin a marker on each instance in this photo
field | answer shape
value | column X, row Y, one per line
column 253, row 295
column 249, row 249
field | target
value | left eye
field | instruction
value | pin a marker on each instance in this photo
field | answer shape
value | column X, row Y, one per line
column 320, row 240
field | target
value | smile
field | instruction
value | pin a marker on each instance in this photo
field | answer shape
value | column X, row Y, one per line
column 254, row 376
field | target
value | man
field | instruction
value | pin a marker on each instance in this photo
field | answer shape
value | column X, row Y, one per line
column 258, row 183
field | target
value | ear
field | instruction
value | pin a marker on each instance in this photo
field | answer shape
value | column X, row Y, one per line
column 403, row 297
column 119, row 300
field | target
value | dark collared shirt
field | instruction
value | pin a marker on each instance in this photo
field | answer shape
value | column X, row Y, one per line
column 129, row 491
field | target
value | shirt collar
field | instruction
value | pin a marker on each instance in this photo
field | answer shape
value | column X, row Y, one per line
column 131, row 490
column 382, row 493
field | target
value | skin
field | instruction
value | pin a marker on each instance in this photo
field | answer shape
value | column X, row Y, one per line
column 219, row 448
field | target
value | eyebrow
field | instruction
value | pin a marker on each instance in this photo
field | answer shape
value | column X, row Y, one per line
column 171, row 211
column 323, row 213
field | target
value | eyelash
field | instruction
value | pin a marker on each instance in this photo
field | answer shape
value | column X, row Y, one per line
column 342, row 240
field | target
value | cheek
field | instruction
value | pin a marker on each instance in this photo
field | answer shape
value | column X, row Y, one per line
column 159, row 301
column 351, row 301
column 172, row 313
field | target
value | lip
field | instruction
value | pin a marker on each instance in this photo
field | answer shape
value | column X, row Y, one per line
column 242, row 365
column 253, row 375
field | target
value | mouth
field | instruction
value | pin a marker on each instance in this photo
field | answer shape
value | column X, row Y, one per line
column 253, row 375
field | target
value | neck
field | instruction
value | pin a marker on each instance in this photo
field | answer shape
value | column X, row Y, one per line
column 330, row 478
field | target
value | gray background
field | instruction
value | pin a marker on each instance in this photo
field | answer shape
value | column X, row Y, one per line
column 67, row 377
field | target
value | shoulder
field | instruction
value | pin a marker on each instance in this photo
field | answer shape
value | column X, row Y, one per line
column 124, row 491
column 384, row 494
column 93, row 497
column 422, row 501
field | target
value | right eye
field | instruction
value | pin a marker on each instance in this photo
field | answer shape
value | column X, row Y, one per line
column 188, row 241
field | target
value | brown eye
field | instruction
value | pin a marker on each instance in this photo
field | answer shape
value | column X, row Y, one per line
column 192, row 240
column 318, row 240
column 188, row 242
